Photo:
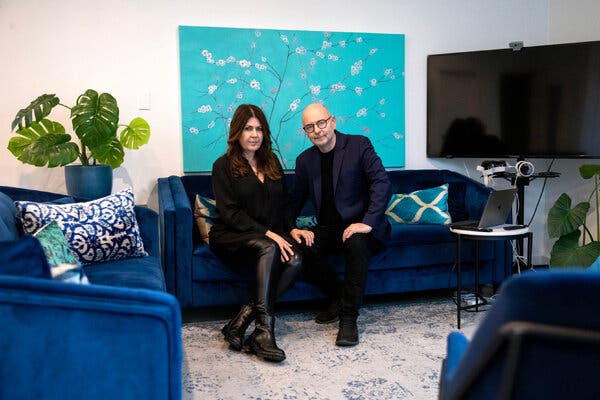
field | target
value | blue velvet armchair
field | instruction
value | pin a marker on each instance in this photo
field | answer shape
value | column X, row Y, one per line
column 539, row 340
column 118, row 337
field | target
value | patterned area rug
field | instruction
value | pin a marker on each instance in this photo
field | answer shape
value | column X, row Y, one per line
column 401, row 348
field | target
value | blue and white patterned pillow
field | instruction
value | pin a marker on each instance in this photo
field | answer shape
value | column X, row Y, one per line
column 427, row 206
column 98, row 230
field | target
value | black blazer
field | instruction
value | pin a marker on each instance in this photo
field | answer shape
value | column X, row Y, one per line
column 360, row 183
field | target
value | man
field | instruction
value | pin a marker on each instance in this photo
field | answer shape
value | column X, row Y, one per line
column 349, row 188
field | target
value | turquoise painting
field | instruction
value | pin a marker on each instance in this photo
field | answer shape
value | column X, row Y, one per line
column 358, row 76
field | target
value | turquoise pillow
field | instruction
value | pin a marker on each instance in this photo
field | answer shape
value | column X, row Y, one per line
column 56, row 246
column 306, row 221
column 427, row 206
column 63, row 263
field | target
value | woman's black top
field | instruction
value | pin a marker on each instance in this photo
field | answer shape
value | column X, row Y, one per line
column 247, row 206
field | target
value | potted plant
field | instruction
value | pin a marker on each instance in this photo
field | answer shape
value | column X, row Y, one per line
column 99, row 146
column 576, row 245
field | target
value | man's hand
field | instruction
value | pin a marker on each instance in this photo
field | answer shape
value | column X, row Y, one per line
column 298, row 234
column 357, row 227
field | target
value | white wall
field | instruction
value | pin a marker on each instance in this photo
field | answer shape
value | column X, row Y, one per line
column 131, row 47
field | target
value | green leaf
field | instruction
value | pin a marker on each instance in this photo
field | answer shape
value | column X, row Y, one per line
column 566, row 252
column 136, row 134
column 562, row 219
column 40, row 107
column 42, row 143
column 589, row 170
column 111, row 153
column 95, row 118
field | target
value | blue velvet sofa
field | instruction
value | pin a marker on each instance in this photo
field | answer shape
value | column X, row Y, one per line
column 417, row 257
column 539, row 340
column 118, row 337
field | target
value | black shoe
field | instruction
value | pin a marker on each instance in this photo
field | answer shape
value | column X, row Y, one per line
column 234, row 330
column 348, row 332
column 329, row 315
column 262, row 341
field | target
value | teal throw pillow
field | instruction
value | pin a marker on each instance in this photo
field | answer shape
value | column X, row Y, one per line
column 427, row 206
column 56, row 246
column 99, row 230
column 63, row 263
column 306, row 221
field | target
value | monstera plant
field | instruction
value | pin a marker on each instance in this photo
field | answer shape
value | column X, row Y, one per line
column 95, row 119
column 576, row 245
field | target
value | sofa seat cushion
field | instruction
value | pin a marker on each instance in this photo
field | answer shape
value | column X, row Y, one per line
column 140, row 272
column 402, row 234
column 206, row 266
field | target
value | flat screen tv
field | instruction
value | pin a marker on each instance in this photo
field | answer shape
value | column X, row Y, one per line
column 541, row 101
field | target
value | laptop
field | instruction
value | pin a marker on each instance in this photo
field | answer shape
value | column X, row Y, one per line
column 495, row 213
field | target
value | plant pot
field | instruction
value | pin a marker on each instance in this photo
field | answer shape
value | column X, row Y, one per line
column 88, row 181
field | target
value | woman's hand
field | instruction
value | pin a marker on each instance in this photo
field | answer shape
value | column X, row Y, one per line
column 298, row 234
column 284, row 247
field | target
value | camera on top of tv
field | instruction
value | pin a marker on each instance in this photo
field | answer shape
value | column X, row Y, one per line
column 489, row 168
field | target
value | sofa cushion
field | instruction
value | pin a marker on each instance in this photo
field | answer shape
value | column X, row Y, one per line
column 23, row 257
column 416, row 234
column 428, row 206
column 98, row 230
column 140, row 272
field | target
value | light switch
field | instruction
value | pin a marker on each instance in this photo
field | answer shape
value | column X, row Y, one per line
column 143, row 100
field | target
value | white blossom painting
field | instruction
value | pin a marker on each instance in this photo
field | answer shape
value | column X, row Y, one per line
column 358, row 76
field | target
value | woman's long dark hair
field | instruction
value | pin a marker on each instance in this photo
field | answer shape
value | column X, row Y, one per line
column 266, row 160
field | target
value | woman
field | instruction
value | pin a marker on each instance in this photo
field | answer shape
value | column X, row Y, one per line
column 251, row 226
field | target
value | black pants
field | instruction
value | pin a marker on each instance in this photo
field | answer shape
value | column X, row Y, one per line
column 357, row 251
column 272, row 277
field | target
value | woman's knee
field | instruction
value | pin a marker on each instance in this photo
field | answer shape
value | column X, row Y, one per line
column 295, row 260
column 265, row 247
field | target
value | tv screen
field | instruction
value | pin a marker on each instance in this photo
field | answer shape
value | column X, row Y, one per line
column 541, row 101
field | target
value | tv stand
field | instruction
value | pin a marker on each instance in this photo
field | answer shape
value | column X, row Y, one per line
column 520, row 182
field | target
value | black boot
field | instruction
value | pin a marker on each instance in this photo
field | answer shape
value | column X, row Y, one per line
column 235, row 329
column 348, row 333
column 262, row 341
column 330, row 314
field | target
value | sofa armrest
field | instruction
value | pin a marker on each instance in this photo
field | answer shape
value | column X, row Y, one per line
column 476, row 197
column 61, row 340
column 176, row 223
column 148, row 222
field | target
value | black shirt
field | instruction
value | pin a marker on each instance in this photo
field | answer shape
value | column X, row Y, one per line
column 245, row 204
column 328, row 214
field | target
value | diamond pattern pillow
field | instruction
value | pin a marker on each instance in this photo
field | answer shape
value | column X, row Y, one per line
column 427, row 206
column 98, row 230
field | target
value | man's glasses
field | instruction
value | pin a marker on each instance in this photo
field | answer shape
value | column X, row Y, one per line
column 322, row 123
